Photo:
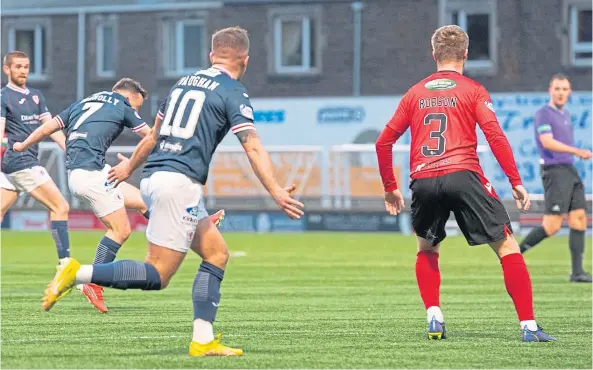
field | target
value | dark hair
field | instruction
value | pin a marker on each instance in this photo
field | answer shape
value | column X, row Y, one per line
column 127, row 84
column 13, row 54
column 559, row 76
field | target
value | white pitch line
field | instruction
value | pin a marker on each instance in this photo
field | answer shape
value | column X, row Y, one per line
column 238, row 254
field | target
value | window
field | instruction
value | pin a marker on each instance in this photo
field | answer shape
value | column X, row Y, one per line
column 478, row 19
column 106, row 52
column 580, row 35
column 296, row 43
column 184, row 47
column 33, row 42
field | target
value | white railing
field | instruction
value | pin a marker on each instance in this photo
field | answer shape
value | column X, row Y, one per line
column 335, row 175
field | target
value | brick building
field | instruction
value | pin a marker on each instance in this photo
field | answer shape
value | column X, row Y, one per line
column 299, row 48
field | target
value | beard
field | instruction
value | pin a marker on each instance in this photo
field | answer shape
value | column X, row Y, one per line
column 18, row 80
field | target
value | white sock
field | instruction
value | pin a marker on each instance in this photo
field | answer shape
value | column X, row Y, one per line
column 63, row 261
column 203, row 331
column 531, row 325
column 436, row 312
column 84, row 274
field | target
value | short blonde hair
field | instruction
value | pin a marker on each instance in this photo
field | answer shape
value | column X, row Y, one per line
column 12, row 55
column 234, row 38
column 449, row 43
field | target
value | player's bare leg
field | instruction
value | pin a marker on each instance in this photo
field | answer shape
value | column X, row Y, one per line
column 518, row 285
column 428, row 277
column 7, row 199
column 133, row 198
column 209, row 244
column 166, row 262
column 551, row 224
column 577, row 222
column 50, row 196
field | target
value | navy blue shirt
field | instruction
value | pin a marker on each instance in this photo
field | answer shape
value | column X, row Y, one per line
column 23, row 110
column 92, row 124
column 200, row 110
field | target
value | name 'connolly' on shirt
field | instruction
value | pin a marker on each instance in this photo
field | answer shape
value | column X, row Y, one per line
column 102, row 96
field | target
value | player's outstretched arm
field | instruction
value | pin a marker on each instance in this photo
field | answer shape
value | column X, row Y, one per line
column 503, row 153
column 262, row 166
column 549, row 143
column 498, row 142
column 43, row 131
column 126, row 166
column 59, row 138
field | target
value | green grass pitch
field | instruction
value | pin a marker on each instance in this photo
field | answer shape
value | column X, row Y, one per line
column 298, row 301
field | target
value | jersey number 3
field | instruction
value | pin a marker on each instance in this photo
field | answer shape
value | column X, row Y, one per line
column 174, row 129
column 441, row 118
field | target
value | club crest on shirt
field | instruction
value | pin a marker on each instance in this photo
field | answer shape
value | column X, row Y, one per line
column 36, row 99
column 490, row 106
column 246, row 111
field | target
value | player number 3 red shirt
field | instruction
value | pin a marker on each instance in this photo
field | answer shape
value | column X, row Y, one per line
column 442, row 111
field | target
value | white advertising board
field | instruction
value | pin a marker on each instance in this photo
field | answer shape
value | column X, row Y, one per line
column 351, row 120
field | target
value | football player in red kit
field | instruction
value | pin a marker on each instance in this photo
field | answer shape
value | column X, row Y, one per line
column 441, row 112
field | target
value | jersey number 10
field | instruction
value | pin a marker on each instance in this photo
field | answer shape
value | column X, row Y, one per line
column 174, row 129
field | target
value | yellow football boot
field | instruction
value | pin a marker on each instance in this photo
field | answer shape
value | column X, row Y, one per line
column 213, row 348
column 67, row 291
column 61, row 284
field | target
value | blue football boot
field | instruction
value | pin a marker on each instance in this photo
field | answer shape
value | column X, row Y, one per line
column 535, row 336
column 436, row 330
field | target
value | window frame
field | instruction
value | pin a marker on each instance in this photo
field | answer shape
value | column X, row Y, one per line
column 99, row 47
column 307, row 17
column 471, row 7
column 177, row 25
column 40, row 28
column 572, row 8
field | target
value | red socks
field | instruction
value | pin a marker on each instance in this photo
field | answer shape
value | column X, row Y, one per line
column 518, row 284
column 429, row 277
column 516, row 280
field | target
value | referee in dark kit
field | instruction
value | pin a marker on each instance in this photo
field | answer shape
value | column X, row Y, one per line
column 564, row 191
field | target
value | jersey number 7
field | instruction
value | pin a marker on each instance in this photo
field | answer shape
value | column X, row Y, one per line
column 89, row 109
column 174, row 129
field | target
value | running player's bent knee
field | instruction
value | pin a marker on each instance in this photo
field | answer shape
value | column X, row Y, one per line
column 61, row 210
column 219, row 258
column 122, row 231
